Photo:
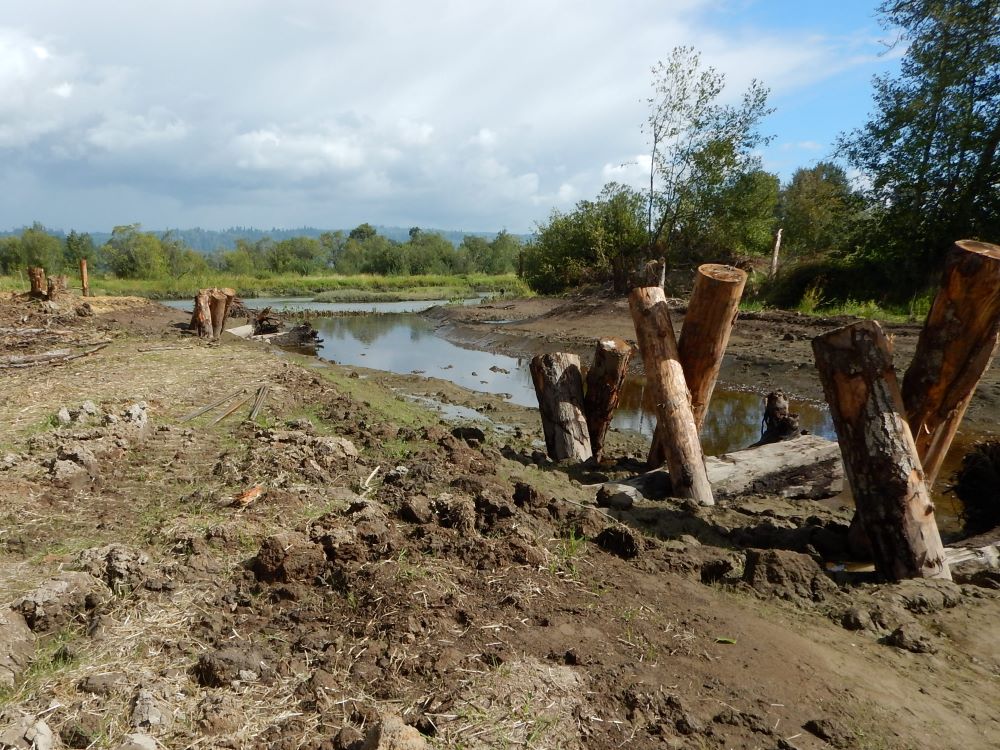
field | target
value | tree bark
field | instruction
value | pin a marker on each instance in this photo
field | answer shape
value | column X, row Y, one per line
column 665, row 378
column 219, row 303
column 955, row 347
column 56, row 287
column 84, row 278
column 604, row 382
column 230, row 296
column 775, row 253
column 880, row 458
column 201, row 318
column 559, row 387
column 711, row 313
column 36, row 276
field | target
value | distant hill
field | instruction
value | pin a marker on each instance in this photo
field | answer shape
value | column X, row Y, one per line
column 213, row 240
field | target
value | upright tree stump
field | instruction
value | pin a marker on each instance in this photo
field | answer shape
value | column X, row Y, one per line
column 201, row 318
column 56, row 287
column 604, row 383
column 220, row 300
column 36, row 276
column 880, row 458
column 955, row 347
column 665, row 379
column 711, row 313
column 559, row 386
column 84, row 278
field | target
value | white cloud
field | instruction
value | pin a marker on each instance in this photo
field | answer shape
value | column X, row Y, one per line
column 122, row 132
column 802, row 146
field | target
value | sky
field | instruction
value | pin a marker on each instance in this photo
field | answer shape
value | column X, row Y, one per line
column 451, row 114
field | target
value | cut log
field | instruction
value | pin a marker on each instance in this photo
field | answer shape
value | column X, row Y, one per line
column 955, row 347
column 604, row 383
column 559, row 387
column 84, row 278
column 56, row 287
column 217, row 308
column 36, row 277
column 201, row 318
column 880, row 458
column 665, row 379
column 711, row 313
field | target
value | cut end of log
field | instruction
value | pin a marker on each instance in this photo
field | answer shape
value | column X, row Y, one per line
column 723, row 274
column 980, row 248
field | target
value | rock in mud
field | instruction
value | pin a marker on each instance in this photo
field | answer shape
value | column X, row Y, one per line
column 17, row 647
column 65, row 599
column 617, row 496
column 149, row 713
column 224, row 666
column 9, row 461
column 392, row 733
column 104, row 683
column 334, row 450
column 621, row 541
column 456, row 512
column 137, row 416
column 473, row 436
column 830, row 732
column 911, row 636
column 926, row 595
column 416, row 509
column 69, row 474
column 63, row 417
column 28, row 733
column 288, row 556
column 787, row 575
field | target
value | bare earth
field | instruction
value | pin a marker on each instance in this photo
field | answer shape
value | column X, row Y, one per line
column 348, row 571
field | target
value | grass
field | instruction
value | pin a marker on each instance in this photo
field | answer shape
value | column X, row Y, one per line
column 294, row 285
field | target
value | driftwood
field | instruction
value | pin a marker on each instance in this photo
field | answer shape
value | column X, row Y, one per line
column 880, row 458
column 604, row 383
column 36, row 277
column 55, row 357
column 955, row 347
column 559, row 388
column 204, row 409
column 708, row 323
column 665, row 379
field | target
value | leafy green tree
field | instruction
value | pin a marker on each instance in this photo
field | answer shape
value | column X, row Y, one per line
column 699, row 148
column 79, row 246
column 11, row 257
column 816, row 210
column 181, row 260
column 363, row 232
column 134, row 254
column 39, row 248
column 736, row 218
column 599, row 241
column 429, row 252
column 930, row 150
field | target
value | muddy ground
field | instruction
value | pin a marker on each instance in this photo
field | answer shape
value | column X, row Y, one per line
column 348, row 570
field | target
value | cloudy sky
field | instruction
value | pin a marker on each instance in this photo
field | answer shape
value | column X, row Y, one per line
column 460, row 114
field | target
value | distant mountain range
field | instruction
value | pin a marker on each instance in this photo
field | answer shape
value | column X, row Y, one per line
column 212, row 240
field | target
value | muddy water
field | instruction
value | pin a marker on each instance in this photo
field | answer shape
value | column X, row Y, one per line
column 408, row 344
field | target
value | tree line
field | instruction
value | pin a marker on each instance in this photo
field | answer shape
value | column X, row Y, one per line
column 927, row 166
column 131, row 253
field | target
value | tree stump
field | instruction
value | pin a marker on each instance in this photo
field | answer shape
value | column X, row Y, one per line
column 604, row 383
column 36, row 276
column 201, row 318
column 711, row 313
column 955, row 347
column 84, row 278
column 880, row 458
column 559, row 386
column 665, row 378
column 56, row 287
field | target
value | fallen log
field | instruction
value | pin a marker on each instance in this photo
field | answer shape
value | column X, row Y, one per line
column 708, row 323
column 559, row 388
column 880, row 458
column 55, row 357
column 955, row 347
column 665, row 379
column 604, row 382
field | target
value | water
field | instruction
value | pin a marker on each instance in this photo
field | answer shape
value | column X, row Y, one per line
column 408, row 344
column 300, row 304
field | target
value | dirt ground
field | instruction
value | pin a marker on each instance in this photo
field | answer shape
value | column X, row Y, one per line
column 348, row 570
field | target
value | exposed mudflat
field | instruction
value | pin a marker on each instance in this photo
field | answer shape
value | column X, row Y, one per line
column 358, row 568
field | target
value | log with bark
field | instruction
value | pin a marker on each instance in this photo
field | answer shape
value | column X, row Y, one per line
column 36, row 277
column 559, row 387
column 84, row 278
column 880, row 458
column 201, row 318
column 708, row 323
column 604, row 382
column 665, row 379
column 56, row 287
column 954, row 349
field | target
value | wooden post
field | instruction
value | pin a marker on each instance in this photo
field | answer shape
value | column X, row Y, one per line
column 559, row 387
column 711, row 313
column 84, row 279
column 774, row 254
column 665, row 378
column 955, row 347
column 604, row 383
column 37, row 278
column 55, row 288
column 880, row 458
column 201, row 318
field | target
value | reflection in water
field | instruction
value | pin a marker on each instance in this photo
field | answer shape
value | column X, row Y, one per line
column 404, row 343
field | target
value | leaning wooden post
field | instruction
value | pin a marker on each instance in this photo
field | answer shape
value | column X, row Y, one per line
column 604, row 383
column 955, row 347
column 665, row 379
column 84, row 279
column 559, row 387
column 880, row 459
column 36, row 276
column 711, row 313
